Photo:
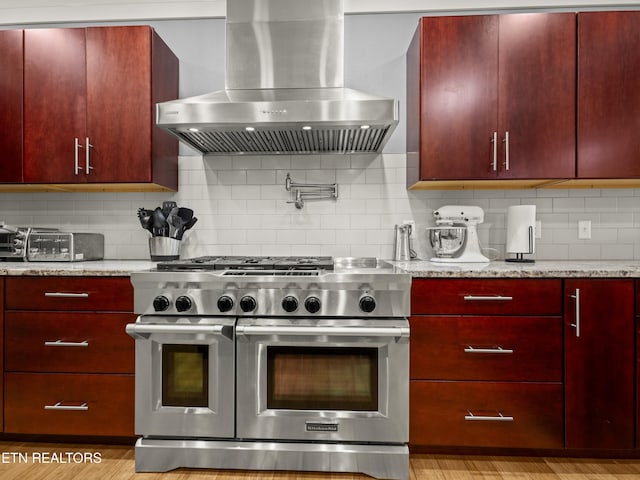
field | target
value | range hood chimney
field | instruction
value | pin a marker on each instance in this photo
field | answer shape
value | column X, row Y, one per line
column 284, row 88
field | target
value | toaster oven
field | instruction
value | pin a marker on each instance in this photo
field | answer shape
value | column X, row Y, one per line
column 54, row 246
column 13, row 243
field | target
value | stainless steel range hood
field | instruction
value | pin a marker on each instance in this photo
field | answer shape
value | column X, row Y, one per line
column 284, row 88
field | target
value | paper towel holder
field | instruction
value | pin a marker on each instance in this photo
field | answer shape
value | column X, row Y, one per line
column 519, row 258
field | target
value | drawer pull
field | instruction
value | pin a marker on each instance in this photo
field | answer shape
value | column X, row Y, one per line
column 484, row 298
column 471, row 349
column 59, row 406
column 484, row 418
column 66, row 295
column 61, row 343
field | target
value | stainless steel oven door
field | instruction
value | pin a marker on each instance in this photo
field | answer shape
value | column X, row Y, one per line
column 184, row 376
column 343, row 380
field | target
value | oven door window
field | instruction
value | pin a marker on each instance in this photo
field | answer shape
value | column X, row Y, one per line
column 322, row 378
column 185, row 374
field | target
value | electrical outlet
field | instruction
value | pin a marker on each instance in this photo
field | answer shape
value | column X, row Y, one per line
column 584, row 229
column 538, row 233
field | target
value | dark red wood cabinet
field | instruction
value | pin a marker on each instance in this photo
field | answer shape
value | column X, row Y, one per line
column 492, row 97
column 486, row 363
column 1, row 350
column 68, row 362
column 638, row 364
column 89, row 107
column 608, row 95
column 11, row 105
column 599, row 337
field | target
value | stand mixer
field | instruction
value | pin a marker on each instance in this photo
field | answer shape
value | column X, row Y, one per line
column 454, row 239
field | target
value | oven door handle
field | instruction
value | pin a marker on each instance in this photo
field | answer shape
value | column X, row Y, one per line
column 143, row 331
column 246, row 330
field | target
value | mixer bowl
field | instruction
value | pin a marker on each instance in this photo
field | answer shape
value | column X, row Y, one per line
column 446, row 241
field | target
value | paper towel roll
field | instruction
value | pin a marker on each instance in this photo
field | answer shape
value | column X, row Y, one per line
column 519, row 219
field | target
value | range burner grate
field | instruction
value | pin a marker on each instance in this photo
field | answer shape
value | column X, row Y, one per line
column 242, row 263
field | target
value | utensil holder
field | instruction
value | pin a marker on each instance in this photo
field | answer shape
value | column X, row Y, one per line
column 164, row 248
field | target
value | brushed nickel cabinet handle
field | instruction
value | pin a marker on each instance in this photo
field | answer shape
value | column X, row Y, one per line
column 59, row 406
column 484, row 418
column 61, row 343
column 77, row 152
column 484, row 298
column 576, row 325
column 471, row 349
column 87, row 154
column 65, row 295
column 506, row 151
column 495, row 151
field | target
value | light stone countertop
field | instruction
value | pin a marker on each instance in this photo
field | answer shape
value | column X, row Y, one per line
column 539, row 269
column 102, row 268
column 417, row 268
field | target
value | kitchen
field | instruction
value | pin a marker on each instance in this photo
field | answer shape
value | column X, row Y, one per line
column 241, row 201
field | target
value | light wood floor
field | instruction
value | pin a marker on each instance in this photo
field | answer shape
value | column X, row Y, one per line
column 117, row 463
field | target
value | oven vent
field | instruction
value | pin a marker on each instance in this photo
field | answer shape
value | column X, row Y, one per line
column 319, row 140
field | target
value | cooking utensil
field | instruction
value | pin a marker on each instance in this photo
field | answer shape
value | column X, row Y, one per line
column 159, row 223
column 186, row 227
column 145, row 219
column 175, row 223
column 167, row 206
column 185, row 213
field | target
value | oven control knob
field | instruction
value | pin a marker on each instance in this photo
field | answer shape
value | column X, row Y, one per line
column 183, row 303
column 160, row 303
column 312, row 304
column 290, row 303
column 225, row 303
column 247, row 303
column 367, row 304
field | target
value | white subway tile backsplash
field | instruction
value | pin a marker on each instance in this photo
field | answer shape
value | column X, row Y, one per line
column 569, row 204
column 601, row 204
column 241, row 203
column 233, row 177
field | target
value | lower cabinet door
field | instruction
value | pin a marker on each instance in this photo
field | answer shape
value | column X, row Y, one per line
column 69, row 404
column 486, row 414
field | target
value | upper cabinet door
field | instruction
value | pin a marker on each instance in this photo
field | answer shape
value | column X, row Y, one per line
column 496, row 98
column 537, row 82
column 55, row 107
column 119, row 104
column 11, row 105
column 458, row 96
column 608, row 95
column 89, row 99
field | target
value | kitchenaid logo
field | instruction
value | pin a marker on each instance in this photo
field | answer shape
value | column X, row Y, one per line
column 322, row 427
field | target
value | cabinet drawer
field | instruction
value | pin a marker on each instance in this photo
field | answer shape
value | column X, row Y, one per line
column 70, row 293
column 478, row 414
column 68, row 342
column 69, row 404
column 486, row 297
column 486, row 348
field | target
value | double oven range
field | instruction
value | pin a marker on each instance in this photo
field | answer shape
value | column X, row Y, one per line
column 272, row 363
